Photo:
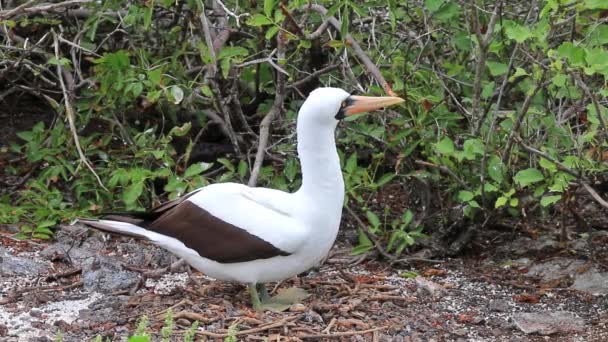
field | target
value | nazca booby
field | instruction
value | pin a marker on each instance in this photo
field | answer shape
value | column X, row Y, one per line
column 233, row 232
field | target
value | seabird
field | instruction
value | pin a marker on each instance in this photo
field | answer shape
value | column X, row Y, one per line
column 233, row 232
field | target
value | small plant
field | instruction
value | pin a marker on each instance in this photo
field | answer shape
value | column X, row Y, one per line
column 140, row 334
column 190, row 334
column 167, row 330
column 232, row 331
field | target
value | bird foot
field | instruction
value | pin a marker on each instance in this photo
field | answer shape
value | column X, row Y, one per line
column 284, row 299
column 281, row 302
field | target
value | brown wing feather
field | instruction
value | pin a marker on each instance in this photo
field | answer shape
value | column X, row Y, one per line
column 210, row 236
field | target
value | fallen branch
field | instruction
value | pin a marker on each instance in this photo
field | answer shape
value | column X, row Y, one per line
column 277, row 324
column 343, row 333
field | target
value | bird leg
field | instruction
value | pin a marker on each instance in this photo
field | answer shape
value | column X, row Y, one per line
column 263, row 292
column 255, row 298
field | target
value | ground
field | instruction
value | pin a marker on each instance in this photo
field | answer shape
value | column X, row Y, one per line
column 512, row 288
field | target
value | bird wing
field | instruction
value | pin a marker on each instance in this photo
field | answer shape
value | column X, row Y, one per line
column 230, row 223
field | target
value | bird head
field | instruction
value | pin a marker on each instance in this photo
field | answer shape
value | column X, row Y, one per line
column 329, row 105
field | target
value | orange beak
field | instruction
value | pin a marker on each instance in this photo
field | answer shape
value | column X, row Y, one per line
column 361, row 104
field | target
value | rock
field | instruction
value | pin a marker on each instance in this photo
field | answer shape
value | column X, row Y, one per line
column 556, row 268
column 78, row 256
column 72, row 235
column 3, row 330
column 432, row 288
column 146, row 254
column 20, row 266
column 525, row 245
column 548, row 323
column 592, row 282
column 499, row 305
column 106, row 275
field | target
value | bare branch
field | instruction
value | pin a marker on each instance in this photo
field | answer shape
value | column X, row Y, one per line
column 367, row 62
column 69, row 111
column 40, row 9
column 277, row 107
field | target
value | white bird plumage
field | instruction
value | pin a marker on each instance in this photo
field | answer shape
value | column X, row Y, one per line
column 303, row 224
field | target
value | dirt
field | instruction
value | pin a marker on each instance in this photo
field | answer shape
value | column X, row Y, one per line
column 489, row 295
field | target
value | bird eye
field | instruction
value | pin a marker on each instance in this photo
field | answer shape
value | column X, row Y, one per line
column 343, row 104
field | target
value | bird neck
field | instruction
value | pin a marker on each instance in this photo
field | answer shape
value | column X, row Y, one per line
column 321, row 173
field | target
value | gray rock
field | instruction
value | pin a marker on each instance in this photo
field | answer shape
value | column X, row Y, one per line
column 20, row 266
column 146, row 255
column 525, row 245
column 78, row 256
column 499, row 305
column 548, row 323
column 106, row 275
column 556, row 268
column 430, row 287
column 103, row 310
column 592, row 282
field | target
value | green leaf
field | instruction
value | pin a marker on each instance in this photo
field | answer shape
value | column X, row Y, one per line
column 227, row 164
column 351, row 163
column 514, row 202
column 595, row 4
column 139, row 339
column 148, row 14
column 407, row 217
column 547, row 165
column 259, row 20
column 548, row 200
column 519, row 72
column 177, row 94
column 133, row 192
column 242, row 169
column 180, row 131
column 291, row 169
column 155, row 75
column 365, row 244
column 445, row 146
column 46, row 224
column 193, row 170
column 433, row 5
column 268, row 7
column 345, row 22
column 472, row 147
column 517, row 32
column 387, row 177
column 373, row 219
column 271, row 32
column 497, row 68
column 528, row 176
column 496, row 169
column 465, row 196
column 500, row 201
column 232, row 51
column 573, row 54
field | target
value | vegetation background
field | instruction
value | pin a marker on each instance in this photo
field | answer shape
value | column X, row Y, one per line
column 120, row 104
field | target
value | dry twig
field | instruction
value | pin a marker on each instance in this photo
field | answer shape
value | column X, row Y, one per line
column 276, row 109
column 69, row 111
